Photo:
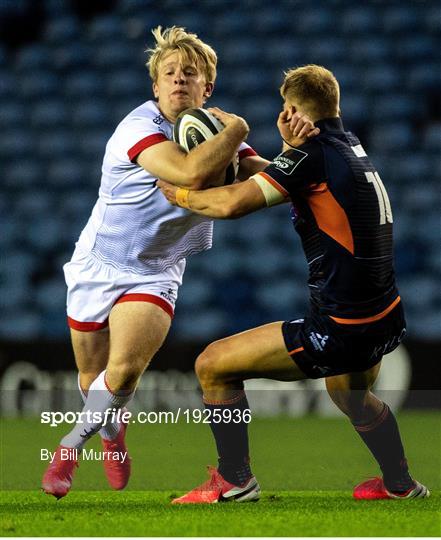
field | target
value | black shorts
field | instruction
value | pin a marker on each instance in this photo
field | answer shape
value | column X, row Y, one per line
column 322, row 347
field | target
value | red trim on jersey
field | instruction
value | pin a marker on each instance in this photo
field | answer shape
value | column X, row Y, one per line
column 247, row 152
column 86, row 326
column 274, row 183
column 144, row 143
column 151, row 298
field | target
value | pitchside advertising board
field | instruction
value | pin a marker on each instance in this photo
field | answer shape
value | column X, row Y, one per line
column 40, row 377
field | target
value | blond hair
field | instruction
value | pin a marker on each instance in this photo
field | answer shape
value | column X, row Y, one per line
column 192, row 50
column 314, row 88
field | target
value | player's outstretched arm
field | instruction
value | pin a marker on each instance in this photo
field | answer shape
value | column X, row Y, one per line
column 226, row 202
column 196, row 169
column 251, row 165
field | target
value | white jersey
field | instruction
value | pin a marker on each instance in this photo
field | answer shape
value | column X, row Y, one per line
column 133, row 227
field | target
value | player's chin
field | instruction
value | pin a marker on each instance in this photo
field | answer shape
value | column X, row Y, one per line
column 180, row 102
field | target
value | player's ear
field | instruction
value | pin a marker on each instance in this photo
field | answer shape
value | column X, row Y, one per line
column 155, row 90
column 291, row 109
column 209, row 87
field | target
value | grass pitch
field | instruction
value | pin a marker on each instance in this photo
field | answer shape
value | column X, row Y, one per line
column 306, row 467
column 148, row 513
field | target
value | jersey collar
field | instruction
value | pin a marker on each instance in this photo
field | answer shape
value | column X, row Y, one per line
column 329, row 124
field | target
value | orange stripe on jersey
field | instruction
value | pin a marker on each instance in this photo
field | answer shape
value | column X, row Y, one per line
column 294, row 351
column 330, row 216
column 373, row 318
column 274, row 183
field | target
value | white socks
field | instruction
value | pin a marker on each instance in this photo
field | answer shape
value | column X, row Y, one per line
column 97, row 401
column 111, row 429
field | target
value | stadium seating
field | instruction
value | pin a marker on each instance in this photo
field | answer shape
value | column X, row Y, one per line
column 38, row 85
column 104, row 28
column 62, row 95
column 12, row 113
column 71, row 56
column 48, row 114
column 33, row 57
column 62, row 29
column 87, row 114
column 360, row 20
column 23, row 175
column 281, row 52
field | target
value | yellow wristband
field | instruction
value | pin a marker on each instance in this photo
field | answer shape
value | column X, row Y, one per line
column 182, row 197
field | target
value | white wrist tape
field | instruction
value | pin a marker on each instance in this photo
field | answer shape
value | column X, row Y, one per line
column 272, row 194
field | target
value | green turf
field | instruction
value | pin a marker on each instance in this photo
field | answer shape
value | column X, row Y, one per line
column 306, row 467
column 147, row 513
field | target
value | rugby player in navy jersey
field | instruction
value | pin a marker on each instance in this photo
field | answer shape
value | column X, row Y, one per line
column 342, row 213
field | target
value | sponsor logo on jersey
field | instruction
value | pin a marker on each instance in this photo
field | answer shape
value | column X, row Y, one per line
column 318, row 341
column 286, row 164
column 158, row 120
column 389, row 346
column 168, row 295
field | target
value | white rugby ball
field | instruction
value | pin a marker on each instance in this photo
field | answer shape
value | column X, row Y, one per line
column 195, row 126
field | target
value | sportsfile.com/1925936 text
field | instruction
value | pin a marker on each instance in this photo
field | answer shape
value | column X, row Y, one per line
column 189, row 416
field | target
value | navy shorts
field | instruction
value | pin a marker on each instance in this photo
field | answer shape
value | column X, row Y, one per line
column 322, row 347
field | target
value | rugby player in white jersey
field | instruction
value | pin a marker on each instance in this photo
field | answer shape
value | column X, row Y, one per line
column 128, row 264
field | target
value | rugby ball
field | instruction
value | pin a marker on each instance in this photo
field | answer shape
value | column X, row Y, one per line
column 195, row 126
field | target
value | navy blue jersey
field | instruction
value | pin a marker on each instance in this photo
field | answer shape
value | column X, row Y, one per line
column 342, row 213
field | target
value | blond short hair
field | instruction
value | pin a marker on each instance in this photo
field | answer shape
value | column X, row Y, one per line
column 314, row 88
column 191, row 49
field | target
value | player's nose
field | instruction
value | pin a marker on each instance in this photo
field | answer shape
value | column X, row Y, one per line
column 179, row 76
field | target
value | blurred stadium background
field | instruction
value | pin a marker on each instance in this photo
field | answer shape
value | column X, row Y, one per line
column 70, row 70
